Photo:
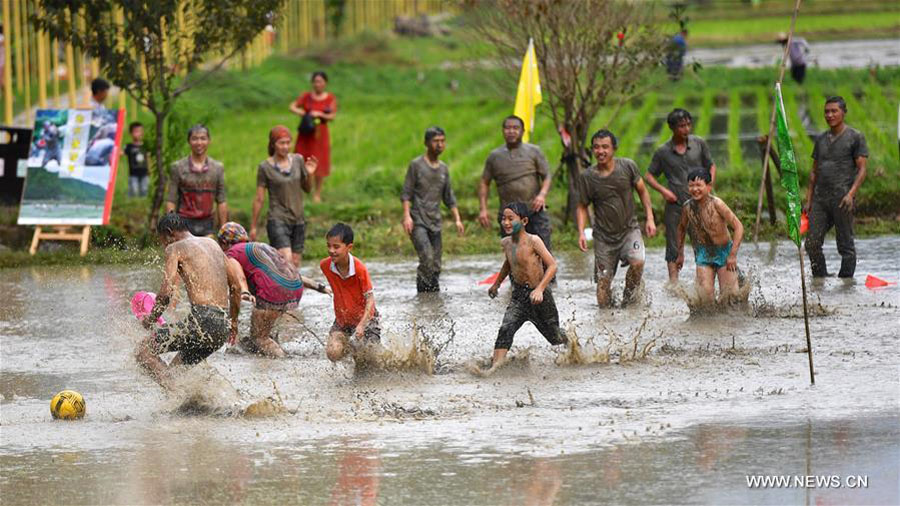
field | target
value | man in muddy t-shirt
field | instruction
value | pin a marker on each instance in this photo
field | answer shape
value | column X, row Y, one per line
column 196, row 182
column 675, row 159
column 608, row 187
column 522, row 175
column 839, row 168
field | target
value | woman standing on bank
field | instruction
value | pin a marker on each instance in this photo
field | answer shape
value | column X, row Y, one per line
column 316, row 109
column 285, row 176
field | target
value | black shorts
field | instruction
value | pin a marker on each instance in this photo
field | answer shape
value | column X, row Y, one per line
column 544, row 316
column 286, row 235
column 200, row 227
column 196, row 337
column 371, row 333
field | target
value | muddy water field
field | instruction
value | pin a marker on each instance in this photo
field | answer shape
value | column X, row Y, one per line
column 659, row 406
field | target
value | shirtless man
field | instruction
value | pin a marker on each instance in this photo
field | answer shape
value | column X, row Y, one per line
column 201, row 265
column 532, row 301
column 715, row 253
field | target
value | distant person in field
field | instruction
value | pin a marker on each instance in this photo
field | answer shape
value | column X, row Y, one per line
column 531, row 268
column 522, row 174
column 608, row 187
column 838, row 170
column 138, row 175
column 675, row 56
column 675, row 159
column 356, row 321
column 99, row 92
column 715, row 253
column 200, row 264
column 316, row 109
column 427, row 183
column 796, row 54
column 197, row 186
column 261, row 274
column 286, row 176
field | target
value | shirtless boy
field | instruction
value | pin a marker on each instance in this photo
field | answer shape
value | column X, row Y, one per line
column 200, row 263
column 532, row 301
column 715, row 253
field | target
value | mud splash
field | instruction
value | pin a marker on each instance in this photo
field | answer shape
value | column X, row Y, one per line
column 395, row 355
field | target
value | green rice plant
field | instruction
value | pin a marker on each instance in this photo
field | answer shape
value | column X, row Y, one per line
column 735, row 157
column 703, row 122
column 630, row 141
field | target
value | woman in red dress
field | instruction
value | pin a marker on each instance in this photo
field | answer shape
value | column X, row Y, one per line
column 322, row 106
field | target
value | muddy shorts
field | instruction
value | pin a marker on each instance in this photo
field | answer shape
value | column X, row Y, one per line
column 196, row 337
column 712, row 256
column 286, row 235
column 607, row 255
column 372, row 332
column 201, row 227
column 544, row 316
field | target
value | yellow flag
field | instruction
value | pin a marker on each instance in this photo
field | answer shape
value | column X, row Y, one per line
column 529, row 93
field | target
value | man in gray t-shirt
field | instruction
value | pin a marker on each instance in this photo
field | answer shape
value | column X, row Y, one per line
column 522, row 175
column 675, row 159
column 608, row 187
column 838, row 170
column 427, row 184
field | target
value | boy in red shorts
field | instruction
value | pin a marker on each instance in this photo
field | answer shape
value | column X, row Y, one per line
column 355, row 317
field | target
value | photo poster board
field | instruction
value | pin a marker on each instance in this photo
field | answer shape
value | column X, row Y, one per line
column 71, row 169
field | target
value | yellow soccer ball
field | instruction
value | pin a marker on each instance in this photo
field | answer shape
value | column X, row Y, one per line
column 67, row 405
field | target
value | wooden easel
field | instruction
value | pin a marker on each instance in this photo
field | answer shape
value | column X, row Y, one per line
column 62, row 233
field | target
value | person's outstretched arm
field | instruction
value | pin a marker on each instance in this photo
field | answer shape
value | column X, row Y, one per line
column 730, row 218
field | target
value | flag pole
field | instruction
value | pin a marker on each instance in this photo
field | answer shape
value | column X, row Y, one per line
column 765, row 170
column 809, row 352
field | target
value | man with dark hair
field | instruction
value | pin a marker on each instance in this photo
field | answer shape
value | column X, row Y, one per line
column 196, row 182
column 617, row 237
column 675, row 159
column 427, row 184
column 99, row 92
column 201, row 265
column 838, row 170
column 522, row 175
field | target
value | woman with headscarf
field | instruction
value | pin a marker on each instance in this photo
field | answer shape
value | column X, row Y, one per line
column 264, row 277
column 285, row 175
column 316, row 109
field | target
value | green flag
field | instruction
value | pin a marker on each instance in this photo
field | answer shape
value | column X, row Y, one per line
column 789, row 180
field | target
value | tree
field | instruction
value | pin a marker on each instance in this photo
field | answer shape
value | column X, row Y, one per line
column 157, row 50
column 590, row 53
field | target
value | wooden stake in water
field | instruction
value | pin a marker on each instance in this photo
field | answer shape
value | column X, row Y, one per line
column 809, row 352
column 762, row 183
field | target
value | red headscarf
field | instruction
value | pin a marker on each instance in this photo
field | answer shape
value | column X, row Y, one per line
column 278, row 132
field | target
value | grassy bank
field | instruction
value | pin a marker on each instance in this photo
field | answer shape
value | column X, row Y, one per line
column 390, row 90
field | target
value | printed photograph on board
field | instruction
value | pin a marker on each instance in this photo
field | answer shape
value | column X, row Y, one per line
column 71, row 168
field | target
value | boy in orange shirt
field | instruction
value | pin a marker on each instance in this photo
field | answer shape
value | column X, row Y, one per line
column 355, row 317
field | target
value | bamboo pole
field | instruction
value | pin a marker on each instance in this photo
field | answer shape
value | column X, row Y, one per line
column 54, row 71
column 82, row 63
column 765, row 169
column 70, row 72
column 26, row 62
column 7, row 73
column 42, row 69
column 120, row 44
column 809, row 352
column 15, row 35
